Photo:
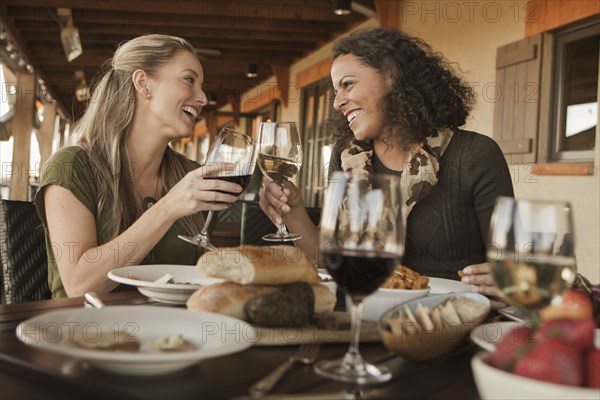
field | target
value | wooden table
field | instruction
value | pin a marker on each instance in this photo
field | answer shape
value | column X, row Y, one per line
column 26, row 372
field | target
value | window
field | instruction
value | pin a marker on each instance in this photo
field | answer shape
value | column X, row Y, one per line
column 317, row 107
column 576, row 99
column 546, row 110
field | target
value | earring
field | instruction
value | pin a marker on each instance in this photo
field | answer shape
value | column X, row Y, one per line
column 147, row 93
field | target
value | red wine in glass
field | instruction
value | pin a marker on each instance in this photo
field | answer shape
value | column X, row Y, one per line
column 360, row 272
column 242, row 180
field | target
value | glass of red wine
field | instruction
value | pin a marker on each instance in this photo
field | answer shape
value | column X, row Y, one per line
column 361, row 243
column 229, row 147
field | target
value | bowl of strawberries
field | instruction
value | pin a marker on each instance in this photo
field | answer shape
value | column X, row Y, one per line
column 555, row 359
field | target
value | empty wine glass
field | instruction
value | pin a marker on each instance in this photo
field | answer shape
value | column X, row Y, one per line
column 279, row 158
column 531, row 251
column 229, row 147
column 361, row 243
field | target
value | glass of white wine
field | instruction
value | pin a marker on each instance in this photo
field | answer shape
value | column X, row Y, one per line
column 279, row 159
column 531, row 251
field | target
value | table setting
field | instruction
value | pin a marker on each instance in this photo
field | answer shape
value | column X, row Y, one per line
column 264, row 322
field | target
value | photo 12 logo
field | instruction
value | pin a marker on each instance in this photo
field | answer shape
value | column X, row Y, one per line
column 91, row 332
column 469, row 11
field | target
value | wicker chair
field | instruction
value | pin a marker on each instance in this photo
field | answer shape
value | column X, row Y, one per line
column 23, row 260
column 255, row 224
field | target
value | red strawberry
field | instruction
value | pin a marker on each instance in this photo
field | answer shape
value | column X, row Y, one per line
column 593, row 368
column 552, row 361
column 512, row 347
column 575, row 304
column 576, row 332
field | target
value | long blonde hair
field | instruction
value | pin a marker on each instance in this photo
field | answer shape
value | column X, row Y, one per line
column 107, row 122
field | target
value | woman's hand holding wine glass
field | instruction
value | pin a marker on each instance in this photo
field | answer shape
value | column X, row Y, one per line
column 236, row 149
column 361, row 243
column 279, row 159
column 531, row 251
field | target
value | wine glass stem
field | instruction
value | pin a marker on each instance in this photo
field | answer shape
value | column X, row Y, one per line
column 204, row 231
column 282, row 229
column 353, row 359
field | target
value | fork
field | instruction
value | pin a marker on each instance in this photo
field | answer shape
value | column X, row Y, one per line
column 306, row 354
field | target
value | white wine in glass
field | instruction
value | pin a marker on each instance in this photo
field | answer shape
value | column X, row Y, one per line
column 361, row 243
column 229, row 147
column 279, row 159
column 531, row 251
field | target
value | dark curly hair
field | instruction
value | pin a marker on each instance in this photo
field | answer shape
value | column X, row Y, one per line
column 426, row 94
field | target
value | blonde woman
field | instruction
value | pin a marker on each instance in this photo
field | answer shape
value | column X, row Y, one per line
column 121, row 195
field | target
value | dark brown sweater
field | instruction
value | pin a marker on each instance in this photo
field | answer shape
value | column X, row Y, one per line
column 448, row 229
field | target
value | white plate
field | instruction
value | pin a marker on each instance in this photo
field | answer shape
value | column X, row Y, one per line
column 212, row 334
column 488, row 335
column 188, row 279
column 443, row 286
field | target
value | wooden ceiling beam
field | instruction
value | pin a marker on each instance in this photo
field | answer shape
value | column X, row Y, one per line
column 92, row 58
column 7, row 24
column 241, row 11
column 388, row 13
column 287, row 30
column 282, row 76
column 214, row 71
column 212, row 80
column 264, row 32
column 212, row 43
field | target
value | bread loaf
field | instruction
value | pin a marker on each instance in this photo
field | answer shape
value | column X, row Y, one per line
column 230, row 298
column 258, row 265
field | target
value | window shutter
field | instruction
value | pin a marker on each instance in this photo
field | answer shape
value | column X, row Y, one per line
column 516, row 111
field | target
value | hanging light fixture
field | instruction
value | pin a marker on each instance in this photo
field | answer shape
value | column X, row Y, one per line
column 69, row 35
column 251, row 70
column 82, row 91
column 342, row 7
column 212, row 100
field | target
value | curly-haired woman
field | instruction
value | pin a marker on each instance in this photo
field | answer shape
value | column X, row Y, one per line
column 122, row 195
column 401, row 106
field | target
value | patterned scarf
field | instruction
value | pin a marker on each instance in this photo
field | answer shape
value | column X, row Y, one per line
column 421, row 174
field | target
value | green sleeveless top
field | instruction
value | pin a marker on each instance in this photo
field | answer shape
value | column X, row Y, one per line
column 71, row 168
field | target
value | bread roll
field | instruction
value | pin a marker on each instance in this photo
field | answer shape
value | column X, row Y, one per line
column 230, row 298
column 258, row 265
column 468, row 310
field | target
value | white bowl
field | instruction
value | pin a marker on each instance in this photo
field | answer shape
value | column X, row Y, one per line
column 382, row 300
column 494, row 383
